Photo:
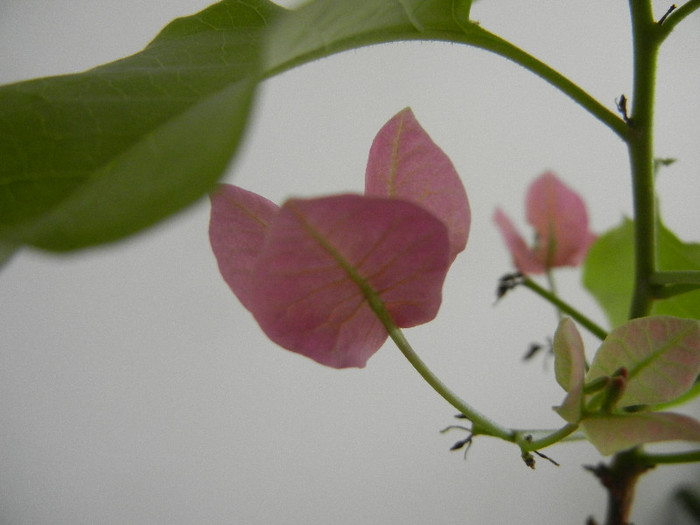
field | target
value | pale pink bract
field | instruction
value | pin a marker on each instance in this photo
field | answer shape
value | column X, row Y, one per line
column 560, row 220
column 405, row 163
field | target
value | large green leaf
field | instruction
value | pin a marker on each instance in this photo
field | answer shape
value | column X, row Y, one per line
column 608, row 272
column 93, row 157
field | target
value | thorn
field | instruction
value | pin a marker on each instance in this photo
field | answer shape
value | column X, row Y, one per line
column 622, row 108
column 547, row 458
column 663, row 18
column 452, row 427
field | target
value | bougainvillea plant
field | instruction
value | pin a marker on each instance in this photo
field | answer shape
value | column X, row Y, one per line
column 333, row 277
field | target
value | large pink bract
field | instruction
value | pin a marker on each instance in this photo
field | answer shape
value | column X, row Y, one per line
column 329, row 277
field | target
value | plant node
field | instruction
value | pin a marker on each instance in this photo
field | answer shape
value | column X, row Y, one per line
column 508, row 282
column 530, row 460
column 622, row 108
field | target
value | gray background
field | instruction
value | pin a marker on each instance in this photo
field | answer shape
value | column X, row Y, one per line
column 135, row 389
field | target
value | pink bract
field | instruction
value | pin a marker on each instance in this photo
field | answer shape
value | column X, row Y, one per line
column 559, row 218
column 327, row 277
column 325, row 258
column 237, row 229
column 405, row 163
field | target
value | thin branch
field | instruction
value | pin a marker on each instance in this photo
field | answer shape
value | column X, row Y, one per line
column 672, row 290
column 550, row 439
column 670, row 458
column 676, row 17
column 565, row 307
column 482, row 424
column 676, row 277
column 479, row 37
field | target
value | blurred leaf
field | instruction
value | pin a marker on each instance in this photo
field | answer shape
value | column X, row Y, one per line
column 570, row 369
column 608, row 272
column 559, row 219
column 614, row 433
column 323, row 27
column 7, row 250
column 661, row 355
column 689, row 498
column 93, row 157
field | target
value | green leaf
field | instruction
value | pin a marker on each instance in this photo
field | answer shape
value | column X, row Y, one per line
column 691, row 394
column 93, row 157
column 570, row 369
column 614, row 433
column 7, row 250
column 324, row 27
column 608, row 272
column 661, row 355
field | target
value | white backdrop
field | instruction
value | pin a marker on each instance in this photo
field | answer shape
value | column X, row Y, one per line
column 135, row 389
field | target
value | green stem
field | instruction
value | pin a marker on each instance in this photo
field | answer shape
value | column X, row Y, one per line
column 476, row 36
column 482, row 424
column 677, row 16
column 471, row 34
column 550, row 439
column 646, row 37
column 620, row 478
column 671, row 283
column 575, row 314
column 671, row 458
column 672, row 290
column 676, row 277
column 553, row 289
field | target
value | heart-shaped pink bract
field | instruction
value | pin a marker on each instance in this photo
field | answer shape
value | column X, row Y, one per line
column 559, row 218
column 327, row 259
column 314, row 271
column 404, row 163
